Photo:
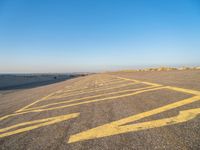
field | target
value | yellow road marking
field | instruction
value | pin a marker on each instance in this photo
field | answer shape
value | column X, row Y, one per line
column 148, row 83
column 86, row 89
column 47, row 98
column 44, row 98
column 91, row 91
column 84, row 102
column 117, row 127
column 41, row 123
column 113, row 82
column 113, row 128
column 85, row 98
column 97, row 100
column 76, row 88
column 50, row 96
column 194, row 92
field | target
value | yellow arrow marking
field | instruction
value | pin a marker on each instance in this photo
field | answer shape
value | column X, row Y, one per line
column 117, row 127
column 39, row 123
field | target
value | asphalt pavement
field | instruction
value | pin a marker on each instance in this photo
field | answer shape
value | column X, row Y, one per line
column 111, row 111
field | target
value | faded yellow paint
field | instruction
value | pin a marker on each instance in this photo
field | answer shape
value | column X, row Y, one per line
column 34, row 110
column 194, row 92
column 35, row 124
column 44, row 98
column 89, row 97
column 31, row 110
column 51, row 96
column 96, row 100
column 119, row 127
column 113, row 128
column 148, row 83
column 113, row 82
column 91, row 91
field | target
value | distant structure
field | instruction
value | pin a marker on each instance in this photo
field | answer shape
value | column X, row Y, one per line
column 162, row 69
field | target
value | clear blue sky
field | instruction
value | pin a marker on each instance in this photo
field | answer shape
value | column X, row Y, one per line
column 97, row 35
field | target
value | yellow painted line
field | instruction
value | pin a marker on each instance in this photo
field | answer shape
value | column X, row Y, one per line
column 74, row 89
column 91, row 91
column 100, row 88
column 113, row 128
column 113, row 82
column 41, row 123
column 7, row 116
column 148, row 83
column 194, row 92
column 80, row 103
column 85, row 98
column 119, row 127
column 97, row 100
column 19, row 112
column 35, row 102
column 16, row 114
column 42, row 99
column 88, row 88
column 184, row 90
column 79, row 86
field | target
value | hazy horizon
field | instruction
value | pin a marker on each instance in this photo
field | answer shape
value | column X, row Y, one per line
column 94, row 36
